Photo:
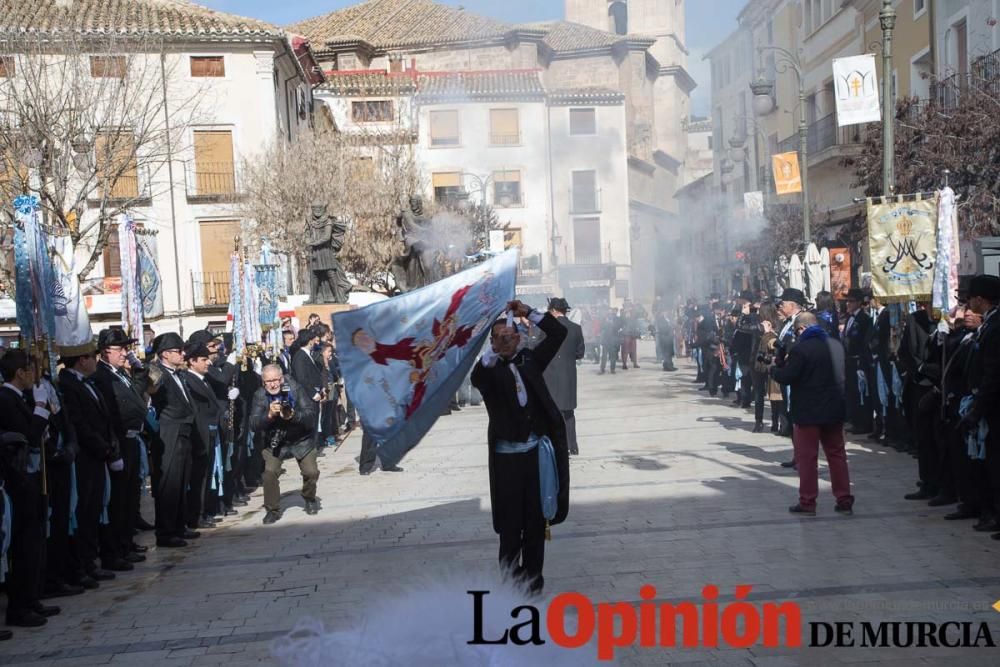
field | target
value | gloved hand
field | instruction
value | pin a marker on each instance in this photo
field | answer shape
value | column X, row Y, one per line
column 233, row 393
column 133, row 360
column 117, row 465
column 40, row 392
column 53, row 396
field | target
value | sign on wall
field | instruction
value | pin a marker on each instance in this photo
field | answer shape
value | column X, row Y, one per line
column 856, row 89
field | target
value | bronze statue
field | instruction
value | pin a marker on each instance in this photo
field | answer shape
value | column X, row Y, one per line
column 325, row 237
column 415, row 267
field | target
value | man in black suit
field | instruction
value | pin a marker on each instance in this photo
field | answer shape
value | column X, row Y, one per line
column 525, row 425
column 124, row 394
column 172, row 454
column 25, row 411
column 984, row 299
column 206, row 445
column 920, row 369
column 857, row 336
column 560, row 376
column 99, row 456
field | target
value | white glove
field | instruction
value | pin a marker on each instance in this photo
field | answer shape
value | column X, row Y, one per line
column 317, row 397
column 258, row 367
column 117, row 466
column 44, row 392
column 233, row 394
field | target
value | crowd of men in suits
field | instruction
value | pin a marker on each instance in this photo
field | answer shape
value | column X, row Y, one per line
column 922, row 382
column 200, row 426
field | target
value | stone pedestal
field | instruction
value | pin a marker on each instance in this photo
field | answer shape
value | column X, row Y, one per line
column 324, row 310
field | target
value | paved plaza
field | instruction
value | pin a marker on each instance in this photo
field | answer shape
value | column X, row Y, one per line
column 671, row 489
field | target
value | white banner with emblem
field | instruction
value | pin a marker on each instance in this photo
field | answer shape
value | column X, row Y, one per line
column 856, row 90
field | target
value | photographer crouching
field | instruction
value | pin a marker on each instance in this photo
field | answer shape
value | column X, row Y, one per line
column 285, row 419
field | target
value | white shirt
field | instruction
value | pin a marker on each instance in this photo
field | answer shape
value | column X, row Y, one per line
column 490, row 357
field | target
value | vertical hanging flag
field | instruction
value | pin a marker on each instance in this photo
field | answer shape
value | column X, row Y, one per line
column 235, row 314
column 150, row 284
column 250, row 306
column 72, row 324
column 266, row 278
column 131, row 295
column 945, row 295
column 753, row 202
column 403, row 359
column 856, row 88
column 787, row 179
column 902, row 241
column 840, row 272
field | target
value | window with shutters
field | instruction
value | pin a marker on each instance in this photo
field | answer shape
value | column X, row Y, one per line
column 371, row 111
column 217, row 239
column 582, row 121
column 505, row 127
column 507, row 189
column 13, row 175
column 444, row 130
column 113, row 67
column 208, row 66
column 113, row 253
column 447, row 186
column 7, row 67
column 117, row 172
column 214, row 171
column 584, row 197
column 587, row 240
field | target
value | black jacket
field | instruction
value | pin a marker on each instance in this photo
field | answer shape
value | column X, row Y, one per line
column 17, row 417
column 858, row 334
column 126, row 402
column 90, row 416
column 307, row 372
column 292, row 437
column 560, row 376
column 985, row 380
column 206, row 414
column 814, row 369
column 497, row 382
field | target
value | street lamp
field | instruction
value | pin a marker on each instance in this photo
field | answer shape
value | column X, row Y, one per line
column 763, row 104
column 887, row 17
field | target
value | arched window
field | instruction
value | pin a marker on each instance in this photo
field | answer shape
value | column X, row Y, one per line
column 618, row 11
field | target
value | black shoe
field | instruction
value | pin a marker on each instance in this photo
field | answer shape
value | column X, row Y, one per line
column 986, row 526
column 366, row 472
column 242, row 497
column 843, row 508
column 941, row 501
column 101, row 575
column 788, row 464
column 922, row 494
column 239, row 503
column 574, row 452
column 170, row 542
column 119, row 565
column 960, row 514
column 600, row 372
column 61, row 590
column 6, row 635
column 312, row 507
column 230, row 512
column 139, row 548
column 46, row 610
column 995, row 536
column 271, row 517
column 203, row 524
column 88, row 582
column 393, row 469
column 758, row 427
column 191, row 535
column 26, row 619
column 142, row 524
column 132, row 557
column 798, row 509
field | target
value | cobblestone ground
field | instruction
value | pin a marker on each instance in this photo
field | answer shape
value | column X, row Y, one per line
column 671, row 489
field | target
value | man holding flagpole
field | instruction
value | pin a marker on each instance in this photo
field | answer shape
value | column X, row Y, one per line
column 528, row 454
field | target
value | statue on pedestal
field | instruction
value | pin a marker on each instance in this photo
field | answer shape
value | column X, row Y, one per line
column 325, row 237
column 415, row 267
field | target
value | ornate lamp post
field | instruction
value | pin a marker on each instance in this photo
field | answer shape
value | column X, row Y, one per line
column 763, row 104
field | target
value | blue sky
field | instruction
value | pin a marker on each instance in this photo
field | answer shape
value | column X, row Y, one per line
column 708, row 22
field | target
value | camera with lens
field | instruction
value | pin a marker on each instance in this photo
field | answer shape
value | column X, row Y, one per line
column 765, row 359
column 284, row 402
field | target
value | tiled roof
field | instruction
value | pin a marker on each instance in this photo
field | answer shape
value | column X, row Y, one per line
column 368, row 84
column 485, row 85
column 159, row 17
column 387, row 24
column 593, row 95
column 569, row 37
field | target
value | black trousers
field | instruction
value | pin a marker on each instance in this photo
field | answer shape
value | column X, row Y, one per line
column 759, row 388
column 609, row 351
column 860, row 410
column 90, row 480
column 519, row 515
column 747, row 382
column 60, row 566
column 570, row 418
column 713, row 369
column 173, row 465
column 993, row 466
column 27, row 549
column 194, row 506
column 366, row 462
column 924, row 427
column 124, row 506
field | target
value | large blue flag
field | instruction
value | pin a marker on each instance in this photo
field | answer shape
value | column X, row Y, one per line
column 403, row 359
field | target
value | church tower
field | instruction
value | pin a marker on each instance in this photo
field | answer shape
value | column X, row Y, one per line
column 662, row 20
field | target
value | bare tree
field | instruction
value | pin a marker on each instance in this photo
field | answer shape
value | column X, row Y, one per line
column 364, row 177
column 87, row 126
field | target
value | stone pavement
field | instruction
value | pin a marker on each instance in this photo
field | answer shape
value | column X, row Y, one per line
column 671, row 489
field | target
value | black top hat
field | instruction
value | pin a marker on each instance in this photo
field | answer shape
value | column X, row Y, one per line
column 196, row 350
column 203, row 336
column 985, row 286
column 167, row 341
column 747, row 295
column 856, row 294
column 113, row 338
column 794, row 295
column 559, row 304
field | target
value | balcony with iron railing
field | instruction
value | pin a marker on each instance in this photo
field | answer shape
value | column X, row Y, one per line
column 210, row 289
column 983, row 76
column 585, row 201
column 132, row 187
column 214, row 181
column 588, row 256
column 824, row 134
column 505, row 139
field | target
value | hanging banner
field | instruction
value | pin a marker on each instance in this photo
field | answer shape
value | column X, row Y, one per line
column 840, row 272
column 131, row 295
column 404, row 358
column 71, row 319
column 902, row 242
column 787, row 179
column 856, row 86
column 948, row 253
column 267, row 298
column 150, row 283
column 753, row 202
